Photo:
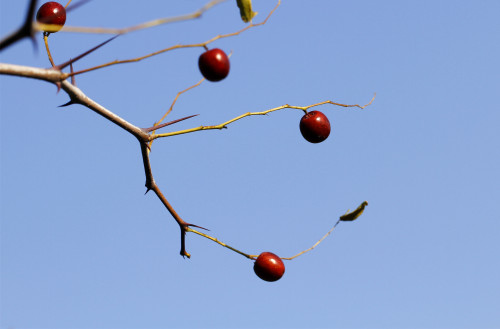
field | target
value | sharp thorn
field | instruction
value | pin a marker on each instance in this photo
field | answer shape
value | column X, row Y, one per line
column 150, row 129
column 63, row 65
column 206, row 229
column 71, row 102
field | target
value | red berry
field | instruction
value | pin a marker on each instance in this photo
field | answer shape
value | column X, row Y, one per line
column 52, row 13
column 269, row 267
column 315, row 127
column 214, row 64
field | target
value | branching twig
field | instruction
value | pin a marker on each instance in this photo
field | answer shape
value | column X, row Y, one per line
column 175, row 100
column 203, row 44
column 78, row 97
column 172, row 107
column 286, row 106
column 151, row 185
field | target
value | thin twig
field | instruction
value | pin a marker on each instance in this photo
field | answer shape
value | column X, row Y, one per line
column 221, row 243
column 255, row 256
column 145, row 25
column 315, row 245
column 356, row 213
column 175, row 100
column 286, row 106
column 203, row 44
column 172, row 107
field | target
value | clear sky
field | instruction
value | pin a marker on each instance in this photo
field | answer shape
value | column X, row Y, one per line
column 82, row 247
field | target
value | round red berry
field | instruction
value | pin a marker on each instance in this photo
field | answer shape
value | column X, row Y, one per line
column 214, row 64
column 269, row 267
column 315, row 127
column 52, row 13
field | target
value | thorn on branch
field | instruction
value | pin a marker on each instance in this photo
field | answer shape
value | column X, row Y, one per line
column 71, row 61
column 153, row 128
column 26, row 30
column 71, row 102
column 188, row 225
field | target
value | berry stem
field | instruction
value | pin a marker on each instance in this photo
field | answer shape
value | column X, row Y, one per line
column 46, row 41
column 67, row 4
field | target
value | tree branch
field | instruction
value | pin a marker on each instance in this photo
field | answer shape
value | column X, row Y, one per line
column 147, row 135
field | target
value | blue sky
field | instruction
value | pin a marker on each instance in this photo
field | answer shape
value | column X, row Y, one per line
column 82, row 247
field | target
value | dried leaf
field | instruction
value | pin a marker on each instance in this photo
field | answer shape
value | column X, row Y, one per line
column 350, row 216
column 246, row 11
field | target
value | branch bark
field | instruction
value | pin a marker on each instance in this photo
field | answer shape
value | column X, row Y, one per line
column 77, row 96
